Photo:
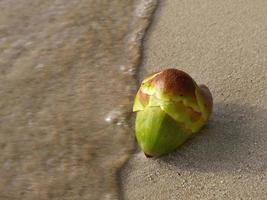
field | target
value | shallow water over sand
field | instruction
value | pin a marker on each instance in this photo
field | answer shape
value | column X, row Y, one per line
column 67, row 82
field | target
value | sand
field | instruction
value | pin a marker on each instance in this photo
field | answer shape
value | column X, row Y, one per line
column 222, row 44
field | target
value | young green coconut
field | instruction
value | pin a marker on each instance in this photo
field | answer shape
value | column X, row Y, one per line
column 170, row 108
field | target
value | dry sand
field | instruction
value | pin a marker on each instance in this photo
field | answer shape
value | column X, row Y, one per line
column 224, row 45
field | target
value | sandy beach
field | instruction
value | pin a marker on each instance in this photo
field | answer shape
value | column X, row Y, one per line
column 223, row 45
column 68, row 74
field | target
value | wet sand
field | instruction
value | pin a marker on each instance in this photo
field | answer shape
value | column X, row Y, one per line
column 221, row 44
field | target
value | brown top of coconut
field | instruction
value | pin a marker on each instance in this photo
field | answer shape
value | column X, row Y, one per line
column 174, row 82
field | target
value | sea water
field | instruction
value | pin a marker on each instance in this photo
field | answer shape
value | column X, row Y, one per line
column 67, row 84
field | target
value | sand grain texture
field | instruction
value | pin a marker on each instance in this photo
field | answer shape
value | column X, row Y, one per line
column 223, row 45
